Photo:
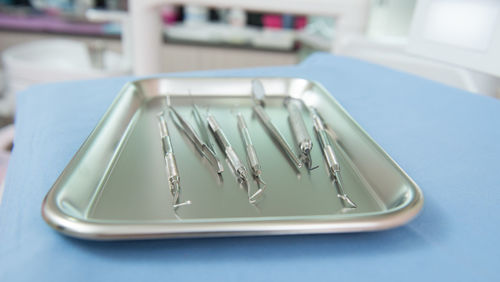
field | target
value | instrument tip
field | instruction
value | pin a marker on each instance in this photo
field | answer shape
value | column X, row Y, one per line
column 346, row 201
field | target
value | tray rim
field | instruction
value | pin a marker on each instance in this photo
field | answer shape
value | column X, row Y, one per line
column 315, row 224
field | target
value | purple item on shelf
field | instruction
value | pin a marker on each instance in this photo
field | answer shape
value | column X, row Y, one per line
column 48, row 24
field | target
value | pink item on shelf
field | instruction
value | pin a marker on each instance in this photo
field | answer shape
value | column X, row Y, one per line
column 272, row 21
column 168, row 15
column 300, row 22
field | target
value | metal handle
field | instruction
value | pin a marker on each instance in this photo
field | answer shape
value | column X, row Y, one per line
column 328, row 152
column 333, row 164
column 298, row 127
column 165, row 139
column 171, row 167
column 250, row 149
column 170, row 163
column 221, row 138
column 242, row 125
column 254, row 162
column 331, row 160
column 219, row 135
column 259, row 110
column 235, row 162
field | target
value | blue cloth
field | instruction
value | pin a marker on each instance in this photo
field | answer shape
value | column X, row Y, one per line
column 446, row 139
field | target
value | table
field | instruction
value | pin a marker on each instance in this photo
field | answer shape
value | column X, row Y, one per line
column 446, row 139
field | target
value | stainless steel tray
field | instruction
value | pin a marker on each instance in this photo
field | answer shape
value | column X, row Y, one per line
column 115, row 187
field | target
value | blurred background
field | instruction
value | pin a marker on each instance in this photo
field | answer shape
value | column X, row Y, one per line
column 455, row 42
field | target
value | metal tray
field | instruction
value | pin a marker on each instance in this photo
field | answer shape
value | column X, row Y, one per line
column 115, row 187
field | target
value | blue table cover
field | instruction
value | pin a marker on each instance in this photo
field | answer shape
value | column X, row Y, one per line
column 446, row 139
